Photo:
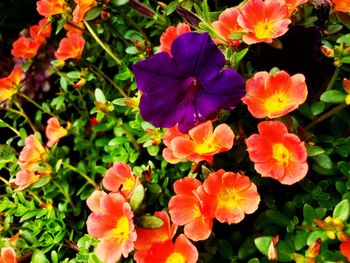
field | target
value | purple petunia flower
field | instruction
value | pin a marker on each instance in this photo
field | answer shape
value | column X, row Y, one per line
column 188, row 88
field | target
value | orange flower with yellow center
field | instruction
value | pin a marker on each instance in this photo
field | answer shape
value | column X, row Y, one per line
column 274, row 95
column 230, row 196
column 71, row 46
column 264, row 20
column 82, row 7
column 111, row 222
column 277, row 153
column 10, row 84
column 54, row 132
column 51, row 7
column 201, row 143
column 25, row 47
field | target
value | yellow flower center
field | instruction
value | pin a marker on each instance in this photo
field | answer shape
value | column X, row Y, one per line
column 121, row 231
column 277, row 102
column 280, row 153
column 228, row 197
column 264, row 29
column 175, row 258
column 128, row 185
column 207, row 146
column 196, row 211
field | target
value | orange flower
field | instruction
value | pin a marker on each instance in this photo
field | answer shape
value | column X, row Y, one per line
column 25, row 178
column 83, row 6
column 275, row 95
column 277, row 153
column 54, row 132
column 228, row 26
column 40, row 32
column 342, row 5
column 345, row 248
column 111, row 222
column 170, row 34
column 187, row 209
column 264, row 20
column 167, row 252
column 25, row 47
column 50, row 7
column 32, row 152
column 147, row 237
column 119, row 178
column 76, row 27
column 10, row 84
column 71, row 46
column 230, row 195
column 200, row 144
column 8, row 255
column 293, row 4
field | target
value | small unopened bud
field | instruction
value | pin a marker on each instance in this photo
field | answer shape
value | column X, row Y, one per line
column 162, row 5
column 314, row 248
column 272, row 251
column 79, row 84
column 346, row 85
column 105, row 15
column 327, row 51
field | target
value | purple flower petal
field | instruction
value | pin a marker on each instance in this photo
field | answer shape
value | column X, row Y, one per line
column 189, row 87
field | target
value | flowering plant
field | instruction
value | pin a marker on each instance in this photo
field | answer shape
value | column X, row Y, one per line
column 177, row 131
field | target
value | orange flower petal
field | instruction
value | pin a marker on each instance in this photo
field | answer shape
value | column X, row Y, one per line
column 170, row 34
column 8, row 255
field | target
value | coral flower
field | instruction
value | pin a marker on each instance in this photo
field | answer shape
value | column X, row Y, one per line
column 83, row 6
column 264, row 20
column 183, row 251
column 200, row 144
column 54, row 131
column 111, row 222
column 345, row 248
column 188, row 88
column 227, row 26
column 231, row 196
column 25, row 178
column 40, row 32
column 187, row 209
column 77, row 27
column 8, row 255
column 293, row 4
column 275, row 95
column 277, row 153
column 167, row 38
column 146, row 237
column 10, row 84
column 119, row 178
column 71, row 46
column 25, row 47
column 50, row 7
column 32, row 152
column 342, row 5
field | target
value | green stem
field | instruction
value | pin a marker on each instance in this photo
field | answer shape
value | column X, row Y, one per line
column 87, row 178
column 37, row 105
column 37, row 198
column 103, row 45
column 23, row 114
column 333, row 79
column 4, row 180
column 65, row 194
column 103, row 75
column 325, row 116
column 10, row 127
column 131, row 138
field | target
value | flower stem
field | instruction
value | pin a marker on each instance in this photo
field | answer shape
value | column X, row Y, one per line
column 10, row 127
column 37, row 105
column 23, row 114
column 333, row 79
column 4, row 180
column 65, row 194
column 325, row 116
column 87, row 178
column 37, row 198
column 131, row 138
column 103, row 75
column 103, row 45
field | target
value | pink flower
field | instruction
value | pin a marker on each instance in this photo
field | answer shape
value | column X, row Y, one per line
column 71, row 46
column 54, row 132
column 277, row 153
column 8, row 255
column 111, row 222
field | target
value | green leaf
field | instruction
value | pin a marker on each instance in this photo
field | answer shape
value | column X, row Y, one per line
column 345, row 60
column 154, row 188
column 284, row 251
column 253, row 260
column 323, row 160
column 39, row 257
column 344, row 168
column 119, row 2
column 100, row 97
column 93, row 13
column 137, row 197
column 225, row 249
column 344, row 39
column 171, row 7
column 309, row 214
column 333, row 96
column 317, row 107
column 236, row 36
column 278, row 218
column 315, row 235
column 313, row 150
column 341, row 210
column 240, row 55
column 247, row 248
column 262, row 244
column 149, row 222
